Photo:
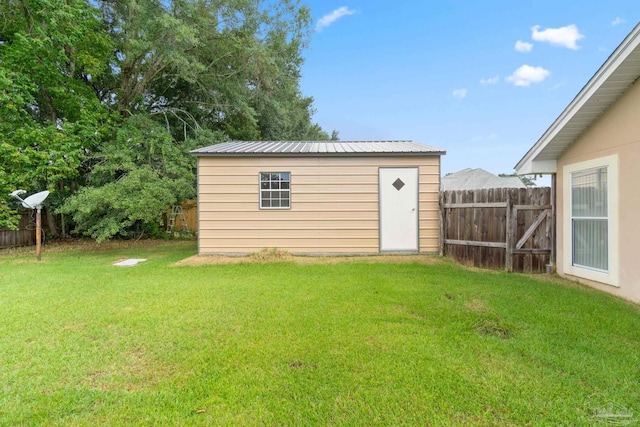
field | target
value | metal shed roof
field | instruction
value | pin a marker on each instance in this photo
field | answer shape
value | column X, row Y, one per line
column 318, row 148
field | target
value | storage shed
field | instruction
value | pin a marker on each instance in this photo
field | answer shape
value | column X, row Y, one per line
column 318, row 197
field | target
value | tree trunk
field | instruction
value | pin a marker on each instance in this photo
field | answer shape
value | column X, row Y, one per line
column 50, row 112
column 51, row 223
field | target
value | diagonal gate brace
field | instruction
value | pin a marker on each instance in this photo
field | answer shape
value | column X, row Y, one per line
column 532, row 228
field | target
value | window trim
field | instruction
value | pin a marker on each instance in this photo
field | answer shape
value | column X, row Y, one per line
column 260, row 190
column 610, row 276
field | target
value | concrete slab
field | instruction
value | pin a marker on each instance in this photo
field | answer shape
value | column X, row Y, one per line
column 129, row 262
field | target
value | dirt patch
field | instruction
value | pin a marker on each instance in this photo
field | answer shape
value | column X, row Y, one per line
column 296, row 364
column 270, row 254
column 476, row 305
column 494, row 326
column 260, row 257
column 85, row 245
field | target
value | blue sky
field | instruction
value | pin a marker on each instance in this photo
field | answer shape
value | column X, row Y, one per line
column 483, row 80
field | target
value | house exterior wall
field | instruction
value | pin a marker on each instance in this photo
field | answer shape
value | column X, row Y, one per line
column 616, row 135
column 334, row 204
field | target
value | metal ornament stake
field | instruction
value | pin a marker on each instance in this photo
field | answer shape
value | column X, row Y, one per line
column 34, row 201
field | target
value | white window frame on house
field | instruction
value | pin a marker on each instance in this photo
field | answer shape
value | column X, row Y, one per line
column 610, row 275
column 274, row 190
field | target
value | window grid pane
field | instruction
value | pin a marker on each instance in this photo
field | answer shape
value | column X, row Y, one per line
column 591, row 243
column 275, row 190
column 589, row 219
column 589, row 193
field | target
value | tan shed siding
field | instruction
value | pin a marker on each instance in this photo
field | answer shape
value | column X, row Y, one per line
column 334, row 204
column 617, row 132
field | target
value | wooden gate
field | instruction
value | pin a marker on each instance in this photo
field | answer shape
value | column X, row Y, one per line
column 510, row 228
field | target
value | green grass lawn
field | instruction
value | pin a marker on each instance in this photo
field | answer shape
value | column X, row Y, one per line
column 85, row 343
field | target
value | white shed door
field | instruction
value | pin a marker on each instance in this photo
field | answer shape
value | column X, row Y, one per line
column 398, row 209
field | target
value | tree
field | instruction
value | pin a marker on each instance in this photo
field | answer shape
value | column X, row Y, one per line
column 100, row 98
column 230, row 66
column 136, row 178
column 132, row 204
column 529, row 181
column 49, row 116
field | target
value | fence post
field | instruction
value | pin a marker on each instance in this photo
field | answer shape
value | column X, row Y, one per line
column 441, row 214
column 508, row 261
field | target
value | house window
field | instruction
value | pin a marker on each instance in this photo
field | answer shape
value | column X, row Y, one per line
column 590, row 227
column 275, row 190
column 590, row 219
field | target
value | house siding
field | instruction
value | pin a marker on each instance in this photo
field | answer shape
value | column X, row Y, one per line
column 334, row 204
column 616, row 133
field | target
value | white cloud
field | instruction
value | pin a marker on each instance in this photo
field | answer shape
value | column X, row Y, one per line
column 490, row 81
column 332, row 17
column 617, row 21
column 460, row 93
column 523, row 46
column 527, row 74
column 480, row 138
column 563, row 36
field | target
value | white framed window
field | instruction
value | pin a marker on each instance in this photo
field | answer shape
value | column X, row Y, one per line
column 590, row 241
column 590, row 219
column 275, row 190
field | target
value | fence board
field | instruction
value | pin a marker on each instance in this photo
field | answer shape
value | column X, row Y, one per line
column 511, row 229
column 475, row 205
column 475, row 243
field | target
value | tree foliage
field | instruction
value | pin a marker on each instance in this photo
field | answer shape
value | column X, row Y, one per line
column 49, row 116
column 136, row 177
column 528, row 180
column 138, row 198
column 100, row 98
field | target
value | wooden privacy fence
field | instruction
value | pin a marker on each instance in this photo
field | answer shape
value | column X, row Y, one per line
column 25, row 235
column 510, row 228
column 189, row 217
